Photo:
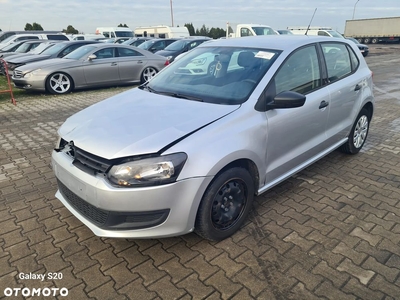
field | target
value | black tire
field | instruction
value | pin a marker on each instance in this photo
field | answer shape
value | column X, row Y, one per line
column 147, row 74
column 360, row 40
column 374, row 41
column 59, row 83
column 225, row 204
column 358, row 134
column 367, row 40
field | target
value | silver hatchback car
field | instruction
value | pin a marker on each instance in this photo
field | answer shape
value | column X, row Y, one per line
column 190, row 149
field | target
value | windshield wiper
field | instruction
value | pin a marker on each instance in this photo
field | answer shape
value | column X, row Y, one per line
column 181, row 96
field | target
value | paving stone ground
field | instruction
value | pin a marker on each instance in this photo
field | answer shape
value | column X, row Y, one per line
column 330, row 232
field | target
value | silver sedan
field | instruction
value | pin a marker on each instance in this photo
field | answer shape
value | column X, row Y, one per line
column 90, row 66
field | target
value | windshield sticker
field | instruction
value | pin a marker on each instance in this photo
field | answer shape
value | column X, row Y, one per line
column 265, row 55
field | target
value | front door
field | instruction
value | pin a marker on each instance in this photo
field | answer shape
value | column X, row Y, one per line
column 102, row 69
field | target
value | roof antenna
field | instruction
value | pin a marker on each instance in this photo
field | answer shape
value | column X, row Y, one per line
column 311, row 21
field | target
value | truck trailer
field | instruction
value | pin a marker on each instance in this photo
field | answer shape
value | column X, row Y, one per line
column 374, row 30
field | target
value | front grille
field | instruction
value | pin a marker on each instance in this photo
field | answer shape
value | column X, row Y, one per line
column 97, row 216
column 95, row 163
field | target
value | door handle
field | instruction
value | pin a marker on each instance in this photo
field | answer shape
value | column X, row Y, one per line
column 323, row 104
column 113, row 64
column 139, row 62
column 357, row 87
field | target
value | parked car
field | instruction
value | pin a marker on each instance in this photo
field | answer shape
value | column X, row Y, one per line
column 136, row 41
column 154, row 45
column 90, row 66
column 59, row 50
column 22, row 37
column 6, row 34
column 11, row 47
column 22, row 47
column 186, row 153
column 182, row 46
column 38, row 50
column 284, row 31
column 363, row 48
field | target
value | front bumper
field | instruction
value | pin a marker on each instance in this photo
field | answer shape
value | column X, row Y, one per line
column 146, row 212
column 36, row 84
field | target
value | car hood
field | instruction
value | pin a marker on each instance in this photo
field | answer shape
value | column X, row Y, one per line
column 138, row 122
column 167, row 52
column 49, row 65
column 27, row 58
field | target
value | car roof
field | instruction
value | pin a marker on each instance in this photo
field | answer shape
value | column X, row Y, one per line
column 278, row 42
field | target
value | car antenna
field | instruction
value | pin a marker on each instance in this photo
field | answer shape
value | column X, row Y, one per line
column 311, row 20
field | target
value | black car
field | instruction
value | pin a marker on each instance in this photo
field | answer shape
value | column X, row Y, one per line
column 181, row 46
column 57, row 51
column 136, row 41
column 154, row 45
column 363, row 48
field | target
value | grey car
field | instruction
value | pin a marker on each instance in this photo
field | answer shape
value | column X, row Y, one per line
column 188, row 151
column 93, row 65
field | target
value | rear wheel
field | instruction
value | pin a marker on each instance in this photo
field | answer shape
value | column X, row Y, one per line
column 147, row 74
column 367, row 40
column 360, row 40
column 358, row 134
column 374, row 41
column 59, row 83
column 225, row 204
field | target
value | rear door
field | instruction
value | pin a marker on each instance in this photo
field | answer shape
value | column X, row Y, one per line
column 130, row 64
column 344, row 86
column 102, row 69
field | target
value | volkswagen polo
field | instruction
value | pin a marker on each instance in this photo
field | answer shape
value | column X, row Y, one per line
column 189, row 150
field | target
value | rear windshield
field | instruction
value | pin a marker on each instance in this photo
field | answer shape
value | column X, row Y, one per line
column 124, row 33
column 178, row 45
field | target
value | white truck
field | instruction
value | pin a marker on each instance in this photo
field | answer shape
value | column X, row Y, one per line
column 162, row 31
column 374, row 30
column 242, row 30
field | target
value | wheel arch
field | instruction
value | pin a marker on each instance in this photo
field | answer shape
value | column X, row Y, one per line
column 368, row 106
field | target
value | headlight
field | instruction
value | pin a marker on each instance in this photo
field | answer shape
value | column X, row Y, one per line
column 30, row 74
column 148, row 171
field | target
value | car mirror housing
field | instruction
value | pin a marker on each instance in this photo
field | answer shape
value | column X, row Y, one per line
column 287, row 99
column 92, row 56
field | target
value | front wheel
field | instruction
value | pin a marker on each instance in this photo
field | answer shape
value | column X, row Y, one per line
column 358, row 134
column 225, row 204
column 147, row 74
column 59, row 83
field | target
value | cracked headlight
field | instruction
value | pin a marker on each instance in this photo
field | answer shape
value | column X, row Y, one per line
column 148, row 171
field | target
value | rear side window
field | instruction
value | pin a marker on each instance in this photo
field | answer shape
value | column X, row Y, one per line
column 354, row 59
column 23, row 38
column 300, row 72
column 337, row 60
column 59, row 37
column 124, row 52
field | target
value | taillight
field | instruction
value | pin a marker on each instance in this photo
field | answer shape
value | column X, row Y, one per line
column 166, row 63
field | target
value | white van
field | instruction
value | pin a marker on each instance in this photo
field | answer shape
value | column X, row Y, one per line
column 315, row 30
column 22, row 37
column 81, row 37
column 162, row 31
column 114, row 32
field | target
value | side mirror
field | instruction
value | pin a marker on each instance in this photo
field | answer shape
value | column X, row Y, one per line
column 287, row 99
column 91, row 57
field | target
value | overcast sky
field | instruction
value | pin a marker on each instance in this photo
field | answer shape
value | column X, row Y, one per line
column 86, row 15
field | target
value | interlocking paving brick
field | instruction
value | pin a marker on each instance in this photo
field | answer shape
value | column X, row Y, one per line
column 328, row 291
column 337, row 278
column 148, row 272
column 121, row 275
column 223, row 284
column 363, row 275
column 177, row 271
column 389, row 273
column 136, row 290
column 380, row 284
column 165, row 289
column 344, row 250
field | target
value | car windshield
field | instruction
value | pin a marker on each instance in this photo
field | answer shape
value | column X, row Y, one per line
column 42, row 47
column 8, row 39
column 146, row 45
column 264, row 30
column 353, row 40
column 80, row 52
column 54, row 49
column 23, row 47
column 335, row 34
column 221, row 75
column 124, row 33
column 176, row 46
column 8, row 47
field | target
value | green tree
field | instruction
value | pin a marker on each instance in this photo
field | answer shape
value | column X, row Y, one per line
column 204, row 31
column 28, row 26
column 37, row 26
column 120, row 25
column 190, row 28
column 70, row 30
